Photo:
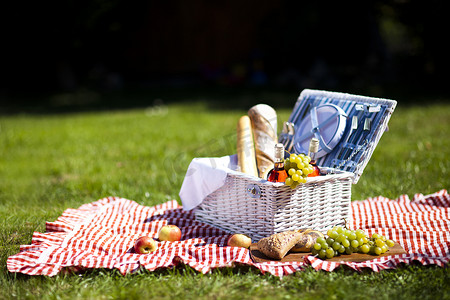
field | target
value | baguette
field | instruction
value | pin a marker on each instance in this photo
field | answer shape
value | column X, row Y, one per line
column 307, row 240
column 264, row 126
column 245, row 147
column 277, row 245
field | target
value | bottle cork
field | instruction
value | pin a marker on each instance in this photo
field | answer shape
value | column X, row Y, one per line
column 279, row 151
column 314, row 145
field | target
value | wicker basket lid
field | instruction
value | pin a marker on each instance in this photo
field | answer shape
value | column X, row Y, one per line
column 349, row 137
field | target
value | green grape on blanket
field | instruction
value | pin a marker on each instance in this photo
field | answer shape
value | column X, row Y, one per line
column 341, row 240
column 297, row 166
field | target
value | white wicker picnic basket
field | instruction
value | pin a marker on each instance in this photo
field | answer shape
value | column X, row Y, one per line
column 253, row 206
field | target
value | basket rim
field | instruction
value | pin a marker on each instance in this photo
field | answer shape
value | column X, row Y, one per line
column 339, row 174
column 389, row 106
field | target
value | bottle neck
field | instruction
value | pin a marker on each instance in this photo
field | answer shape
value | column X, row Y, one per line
column 313, row 148
column 312, row 155
column 279, row 156
column 279, row 164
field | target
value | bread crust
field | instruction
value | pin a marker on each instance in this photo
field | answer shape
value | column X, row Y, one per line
column 264, row 119
column 307, row 240
column 245, row 147
column 278, row 245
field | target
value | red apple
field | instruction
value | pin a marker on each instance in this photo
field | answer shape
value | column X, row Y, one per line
column 170, row 233
column 145, row 244
column 239, row 240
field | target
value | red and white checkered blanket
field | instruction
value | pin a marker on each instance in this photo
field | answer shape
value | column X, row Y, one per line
column 101, row 235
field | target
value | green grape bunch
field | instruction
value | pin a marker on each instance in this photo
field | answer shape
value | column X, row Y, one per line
column 298, row 168
column 341, row 240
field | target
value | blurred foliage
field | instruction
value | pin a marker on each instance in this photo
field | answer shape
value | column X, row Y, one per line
column 357, row 46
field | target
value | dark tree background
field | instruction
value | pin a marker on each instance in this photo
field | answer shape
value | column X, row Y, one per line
column 60, row 46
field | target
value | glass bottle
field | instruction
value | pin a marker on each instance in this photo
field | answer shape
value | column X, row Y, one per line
column 313, row 149
column 278, row 173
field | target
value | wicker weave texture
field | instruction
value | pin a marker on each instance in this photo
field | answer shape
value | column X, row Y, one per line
column 259, row 208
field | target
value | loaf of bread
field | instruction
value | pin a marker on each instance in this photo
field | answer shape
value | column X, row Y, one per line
column 264, row 126
column 245, row 147
column 307, row 240
column 277, row 245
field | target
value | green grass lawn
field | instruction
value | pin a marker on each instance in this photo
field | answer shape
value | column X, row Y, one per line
column 49, row 163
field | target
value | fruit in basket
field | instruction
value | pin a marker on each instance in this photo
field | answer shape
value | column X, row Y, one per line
column 145, row 244
column 170, row 233
column 342, row 240
column 298, row 169
column 239, row 240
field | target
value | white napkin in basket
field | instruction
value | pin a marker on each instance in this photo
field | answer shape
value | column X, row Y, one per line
column 204, row 176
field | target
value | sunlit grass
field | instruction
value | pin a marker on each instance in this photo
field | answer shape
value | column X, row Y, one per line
column 53, row 162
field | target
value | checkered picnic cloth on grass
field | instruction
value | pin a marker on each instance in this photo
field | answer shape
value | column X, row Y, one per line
column 101, row 235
